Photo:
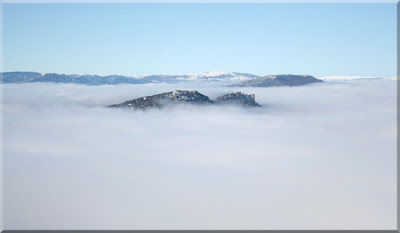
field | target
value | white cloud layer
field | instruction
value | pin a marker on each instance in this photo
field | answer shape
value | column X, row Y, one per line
column 343, row 77
column 316, row 157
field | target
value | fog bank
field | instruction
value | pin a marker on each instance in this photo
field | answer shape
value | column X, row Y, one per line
column 321, row 156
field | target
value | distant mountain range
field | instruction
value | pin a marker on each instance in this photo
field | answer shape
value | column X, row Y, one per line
column 231, row 78
column 31, row 77
column 174, row 98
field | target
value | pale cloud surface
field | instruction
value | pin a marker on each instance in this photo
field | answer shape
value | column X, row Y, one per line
column 344, row 77
column 315, row 157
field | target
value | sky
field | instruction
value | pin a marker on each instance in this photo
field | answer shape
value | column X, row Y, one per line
column 143, row 39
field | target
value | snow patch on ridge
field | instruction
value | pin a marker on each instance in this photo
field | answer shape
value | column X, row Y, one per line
column 216, row 73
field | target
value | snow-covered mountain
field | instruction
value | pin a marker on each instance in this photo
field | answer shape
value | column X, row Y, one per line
column 216, row 76
column 224, row 76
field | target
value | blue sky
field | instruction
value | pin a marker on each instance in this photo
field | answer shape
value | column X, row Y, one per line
column 141, row 39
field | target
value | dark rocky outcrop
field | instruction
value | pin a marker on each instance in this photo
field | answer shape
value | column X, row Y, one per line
column 165, row 99
column 185, row 97
column 237, row 98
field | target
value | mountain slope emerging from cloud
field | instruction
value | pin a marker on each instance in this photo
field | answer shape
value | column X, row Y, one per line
column 279, row 80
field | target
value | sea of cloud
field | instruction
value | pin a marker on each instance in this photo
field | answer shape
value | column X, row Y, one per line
column 314, row 157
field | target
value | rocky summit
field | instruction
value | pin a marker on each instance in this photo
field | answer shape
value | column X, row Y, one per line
column 237, row 98
column 164, row 99
column 185, row 97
